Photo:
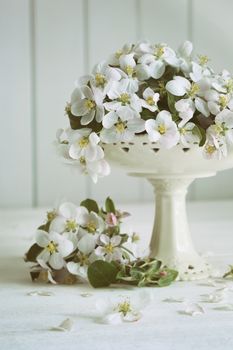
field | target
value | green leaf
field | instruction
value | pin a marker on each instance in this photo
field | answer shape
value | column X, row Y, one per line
column 101, row 274
column 33, row 252
column 168, row 279
column 201, row 133
column 109, row 206
column 90, row 204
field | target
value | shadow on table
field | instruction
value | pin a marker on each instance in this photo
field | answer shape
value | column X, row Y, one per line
column 14, row 270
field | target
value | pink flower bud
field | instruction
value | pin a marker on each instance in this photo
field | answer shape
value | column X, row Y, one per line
column 111, row 219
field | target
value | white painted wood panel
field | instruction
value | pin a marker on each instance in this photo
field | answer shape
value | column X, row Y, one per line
column 15, row 116
column 212, row 35
column 59, row 62
column 111, row 24
column 167, row 22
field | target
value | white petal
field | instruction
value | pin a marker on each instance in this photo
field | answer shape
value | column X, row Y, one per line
column 87, row 118
column 113, row 318
column 65, row 247
column 157, row 69
column 202, row 106
column 68, row 210
column 56, row 261
column 44, row 255
column 110, row 119
column 42, row 238
column 58, row 224
column 87, row 244
column 65, row 326
column 178, row 86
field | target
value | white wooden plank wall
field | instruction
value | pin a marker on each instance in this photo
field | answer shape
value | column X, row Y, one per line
column 46, row 45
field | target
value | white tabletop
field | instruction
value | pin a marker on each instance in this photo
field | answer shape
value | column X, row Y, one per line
column 26, row 321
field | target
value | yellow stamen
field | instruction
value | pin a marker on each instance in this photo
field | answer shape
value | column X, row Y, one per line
column 194, row 90
column 203, row 60
column 120, row 127
column 109, row 248
column 129, row 70
column 83, row 142
column 83, row 259
column 222, row 101
column 210, row 149
column 183, row 131
column 91, row 226
column 100, row 79
column 52, row 247
column 162, row 129
column 71, row 225
column 118, row 53
column 229, row 85
column 51, row 215
column 124, row 98
column 90, row 104
column 150, row 101
column 124, row 307
column 82, row 160
column 159, row 51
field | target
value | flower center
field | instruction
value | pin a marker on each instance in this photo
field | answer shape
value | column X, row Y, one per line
column 203, row 60
column 83, row 259
column 223, row 101
column 82, row 160
column 118, row 54
column 100, row 79
column 229, row 85
column 150, row 101
column 162, row 129
column 109, row 248
column 71, row 225
column 159, row 51
column 129, row 70
column 194, row 90
column 51, row 215
column 124, row 307
column 210, row 149
column 91, row 226
column 52, row 247
column 83, row 142
column 120, row 127
column 124, row 98
column 89, row 104
column 182, row 131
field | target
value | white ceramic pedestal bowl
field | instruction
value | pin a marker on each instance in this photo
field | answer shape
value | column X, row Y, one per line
column 170, row 172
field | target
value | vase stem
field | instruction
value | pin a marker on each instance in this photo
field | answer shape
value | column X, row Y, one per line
column 171, row 240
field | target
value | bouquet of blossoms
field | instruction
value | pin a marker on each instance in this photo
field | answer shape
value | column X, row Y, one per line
column 85, row 243
column 148, row 89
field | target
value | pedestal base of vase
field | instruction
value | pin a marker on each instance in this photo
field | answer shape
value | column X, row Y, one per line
column 171, row 240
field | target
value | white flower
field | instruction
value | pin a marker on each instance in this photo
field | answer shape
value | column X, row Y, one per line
column 67, row 219
column 56, row 248
column 186, row 109
column 86, row 246
column 91, row 222
column 215, row 146
column 102, row 76
column 199, row 71
column 126, row 104
column 124, row 309
column 87, row 103
column 109, row 248
column 85, row 145
column 121, row 130
column 150, row 99
column 187, row 136
column 180, row 86
column 156, row 58
column 217, row 101
column 223, row 83
column 95, row 169
column 128, row 64
column 163, row 130
column 224, row 125
column 185, row 51
column 125, row 50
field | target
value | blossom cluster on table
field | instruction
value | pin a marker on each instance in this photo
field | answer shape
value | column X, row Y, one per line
column 173, row 97
column 85, row 243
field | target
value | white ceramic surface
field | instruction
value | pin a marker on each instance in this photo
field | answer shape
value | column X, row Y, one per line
column 170, row 172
